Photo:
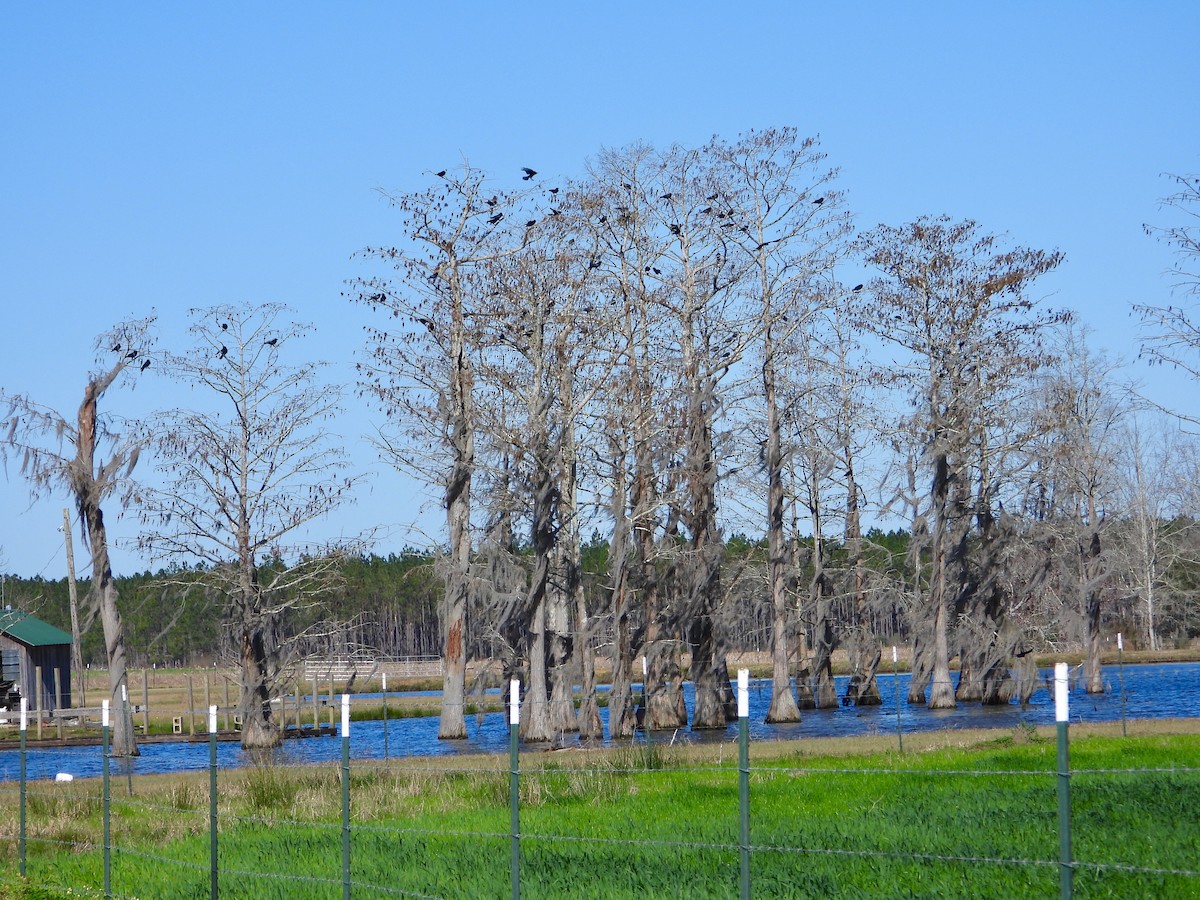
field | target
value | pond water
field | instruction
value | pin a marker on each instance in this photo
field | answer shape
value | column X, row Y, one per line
column 1150, row 691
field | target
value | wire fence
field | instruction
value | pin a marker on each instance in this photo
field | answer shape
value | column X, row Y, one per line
column 631, row 823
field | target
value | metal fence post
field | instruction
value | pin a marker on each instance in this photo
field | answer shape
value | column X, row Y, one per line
column 385, row 721
column 896, row 693
column 212, row 802
column 105, row 801
column 24, row 726
column 1121, row 677
column 514, row 793
column 1062, row 720
column 346, row 796
column 743, row 702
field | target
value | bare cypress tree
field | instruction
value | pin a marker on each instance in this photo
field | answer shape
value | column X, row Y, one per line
column 789, row 227
column 638, row 415
column 58, row 453
column 241, row 481
column 422, row 366
column 953, row 299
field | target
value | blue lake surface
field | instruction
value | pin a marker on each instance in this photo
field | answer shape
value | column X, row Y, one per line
column 1170, row 690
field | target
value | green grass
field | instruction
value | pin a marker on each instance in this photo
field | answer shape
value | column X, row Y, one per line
column 978, row 819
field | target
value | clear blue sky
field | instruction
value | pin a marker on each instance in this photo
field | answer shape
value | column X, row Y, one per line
column 181, row 155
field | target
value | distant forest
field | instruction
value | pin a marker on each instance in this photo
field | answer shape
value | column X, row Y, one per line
column 386, row 607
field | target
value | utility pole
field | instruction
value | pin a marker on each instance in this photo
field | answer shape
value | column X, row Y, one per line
column 76, row 650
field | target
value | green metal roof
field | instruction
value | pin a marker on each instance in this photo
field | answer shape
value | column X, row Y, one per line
column 30, row 631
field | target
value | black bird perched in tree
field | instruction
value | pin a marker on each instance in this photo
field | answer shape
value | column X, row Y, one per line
column 531, row 223
column 554, row 190
column 706, row 209
column 493, row 201
column 441, row 174
column 221, row 353
column 145, row 364
column 224, row 326
column 116, row 348
column 594, row 263
column 272, row 342
column 856, row 289
column 818, row 201
column 666, row 196
column 711, row 197
column 675, row 229
column 529, row 173
column 132, row 354
column 492, row 220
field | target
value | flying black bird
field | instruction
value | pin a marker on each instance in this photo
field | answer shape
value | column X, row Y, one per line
column 818, row 201
column 441, row 174
column 145, row 364
column 492, row 220
column 116, row 348
column 272, row 342
column 221, row 353
column 856, row 289
column 132, row 354
column 529, row 173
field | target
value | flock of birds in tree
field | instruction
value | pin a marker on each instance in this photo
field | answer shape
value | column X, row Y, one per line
column 675, row 228
column 220, row 354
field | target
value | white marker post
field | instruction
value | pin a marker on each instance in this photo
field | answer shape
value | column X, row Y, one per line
column 1121, row 678
column 212, row 801
column 743, row 707
column 385, row 721
column 896, row 695
column 345, row 795
column 106, row 804
column 1062, row 720
column 21, row 841
column 514, row 785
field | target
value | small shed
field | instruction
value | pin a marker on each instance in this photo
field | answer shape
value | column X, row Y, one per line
column 27, row 643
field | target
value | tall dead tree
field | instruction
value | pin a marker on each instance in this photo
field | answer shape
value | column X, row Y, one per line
column 241, row 480
column 57, row 453
column 788, row 226
column 952, row 300
column 422, row 370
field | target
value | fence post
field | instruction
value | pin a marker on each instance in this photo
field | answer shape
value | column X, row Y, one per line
column 514, row 792
column 1062, row 720
column 385, row 721
column 191, row 709
column 24, row 724
column 146, row 702
column 212, row 802
column 346, row 796
column 37, row 698
column 1121, row 676
column 743, row 703
column 896, row 692
column 58, row 700
column 105, row 801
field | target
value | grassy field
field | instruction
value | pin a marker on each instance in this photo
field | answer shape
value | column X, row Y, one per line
column 959, row 814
